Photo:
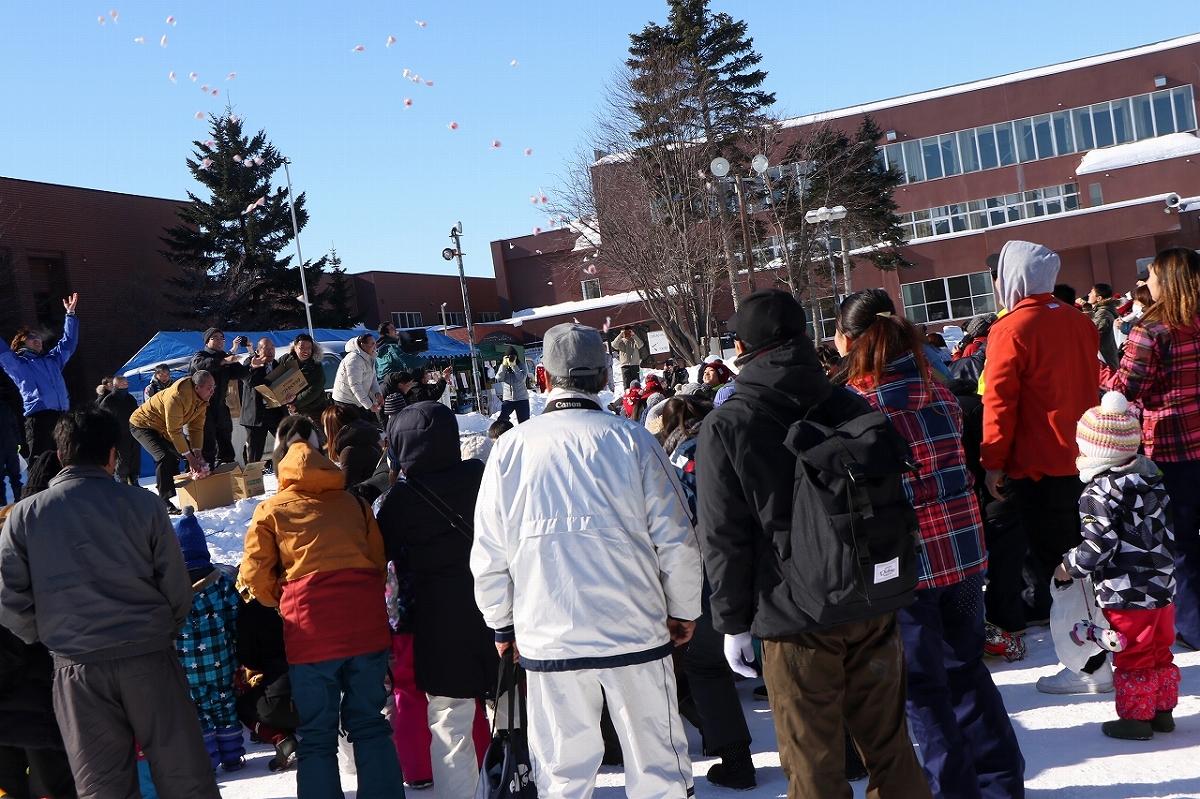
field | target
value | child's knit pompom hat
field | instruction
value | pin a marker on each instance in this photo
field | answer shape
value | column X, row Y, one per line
column 192, row 540
column 1108, row 435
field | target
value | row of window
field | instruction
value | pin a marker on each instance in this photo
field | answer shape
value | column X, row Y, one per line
column 980, row 214
column 409, row 319
column 946, row 298
column 1046, row 136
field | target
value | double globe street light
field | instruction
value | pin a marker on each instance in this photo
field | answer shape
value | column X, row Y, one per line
column 824, row 216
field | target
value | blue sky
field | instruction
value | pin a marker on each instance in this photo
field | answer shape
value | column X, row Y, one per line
column 86, row 105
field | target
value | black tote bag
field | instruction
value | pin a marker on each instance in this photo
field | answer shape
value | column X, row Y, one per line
column 507, row 771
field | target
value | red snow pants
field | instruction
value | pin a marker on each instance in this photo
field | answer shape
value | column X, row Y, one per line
column 1145, row 676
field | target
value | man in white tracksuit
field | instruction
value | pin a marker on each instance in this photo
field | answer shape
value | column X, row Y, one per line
column 586, row 562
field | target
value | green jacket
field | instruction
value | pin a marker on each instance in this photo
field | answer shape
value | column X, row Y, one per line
column 311, row 400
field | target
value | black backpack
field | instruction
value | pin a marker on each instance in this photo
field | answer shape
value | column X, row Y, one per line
column 854, row 535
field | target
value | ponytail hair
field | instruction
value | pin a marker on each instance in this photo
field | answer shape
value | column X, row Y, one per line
column 878, row 336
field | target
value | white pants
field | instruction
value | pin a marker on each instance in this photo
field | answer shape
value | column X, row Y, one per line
column 564, row 730
column 452, row 749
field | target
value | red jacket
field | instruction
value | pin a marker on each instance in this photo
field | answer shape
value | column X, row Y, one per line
column 1042, row 373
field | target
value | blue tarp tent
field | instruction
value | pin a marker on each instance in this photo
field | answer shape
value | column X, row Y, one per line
column 177, row 348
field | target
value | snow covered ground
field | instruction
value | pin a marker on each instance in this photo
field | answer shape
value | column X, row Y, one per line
column 1066, row 756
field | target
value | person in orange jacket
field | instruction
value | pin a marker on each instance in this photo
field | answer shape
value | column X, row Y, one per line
column 315, row 551
column 1041, row 375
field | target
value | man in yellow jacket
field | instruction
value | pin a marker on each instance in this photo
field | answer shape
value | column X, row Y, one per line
column 158, row 426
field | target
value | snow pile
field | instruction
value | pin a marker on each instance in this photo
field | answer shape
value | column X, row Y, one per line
column 225, row 528
column 1148, row 151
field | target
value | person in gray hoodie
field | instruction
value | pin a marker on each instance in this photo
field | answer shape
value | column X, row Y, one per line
column 93, row 569
column 514, row 395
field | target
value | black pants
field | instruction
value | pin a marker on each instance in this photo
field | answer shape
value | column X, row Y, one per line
column 1182, row 481
column 39, row 432
column 129, row 460
column 10, row 467
column 256, row 442
column 1007, row 547
column 218, row 433
column 509, row 407
column 34, row 773
column 713, row 690
column 629, row 374
column 166, row 459
column 1049, row 511
column 103, row 706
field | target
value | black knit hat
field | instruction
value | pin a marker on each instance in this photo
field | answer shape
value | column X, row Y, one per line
column 768, row 316
column 212, row 331
column 41, row 472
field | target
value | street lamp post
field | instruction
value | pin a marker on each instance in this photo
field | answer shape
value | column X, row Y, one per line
column 444, row 317
column 299, row 257
column 720, row 168
column 825, row 216
column 456, row 253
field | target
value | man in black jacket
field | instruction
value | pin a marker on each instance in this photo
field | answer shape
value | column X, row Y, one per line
column 121, row 404
column 815, row 675
column 223, row 366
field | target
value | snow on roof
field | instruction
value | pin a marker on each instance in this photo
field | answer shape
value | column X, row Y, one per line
column 577, row 306
column 1147, row 151
column 1001, row 80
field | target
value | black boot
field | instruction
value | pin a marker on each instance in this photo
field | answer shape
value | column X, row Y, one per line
column 855, row 770
column 736, row 769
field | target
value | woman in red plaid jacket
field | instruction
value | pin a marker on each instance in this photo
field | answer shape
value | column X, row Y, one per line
column 943, row 629
column 1161, row 367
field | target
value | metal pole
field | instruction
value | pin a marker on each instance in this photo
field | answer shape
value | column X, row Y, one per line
column 456, row 234
column 299, row 257
column 837, row 303
column 741, row 192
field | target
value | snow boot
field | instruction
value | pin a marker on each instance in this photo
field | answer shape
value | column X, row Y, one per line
column 210, row 743
column 760, row 693
column 855, row 768
column 999, row 643
column 230, row 747
column 285, row 754
column 1128, row 729
column 736, row 769
column 1163, row 721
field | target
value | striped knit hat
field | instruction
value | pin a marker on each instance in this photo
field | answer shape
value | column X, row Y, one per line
column 1108, row 432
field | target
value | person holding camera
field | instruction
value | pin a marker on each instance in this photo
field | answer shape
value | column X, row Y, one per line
column 223, row 366
column 514, row 393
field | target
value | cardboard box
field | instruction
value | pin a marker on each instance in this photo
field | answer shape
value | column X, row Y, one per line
column 214, row 491
column 248, row 482
column 281, row 383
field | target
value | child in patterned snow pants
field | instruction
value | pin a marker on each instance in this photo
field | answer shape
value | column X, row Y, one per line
column 207, row 647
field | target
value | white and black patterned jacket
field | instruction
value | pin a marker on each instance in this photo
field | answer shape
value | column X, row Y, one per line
column 1128, row 542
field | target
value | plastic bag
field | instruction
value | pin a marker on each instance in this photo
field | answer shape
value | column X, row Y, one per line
column 1071, row 604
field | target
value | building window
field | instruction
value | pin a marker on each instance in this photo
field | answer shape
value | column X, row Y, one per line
column 827, row 320
column 1096, row 194
column 947, row 298
column 1037, row 138
column 489, row 316
column 591, row 289
column 452, row 319
column 991, row 211
column 403, row 319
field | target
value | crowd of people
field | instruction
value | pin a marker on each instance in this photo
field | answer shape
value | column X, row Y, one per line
column 852, row 523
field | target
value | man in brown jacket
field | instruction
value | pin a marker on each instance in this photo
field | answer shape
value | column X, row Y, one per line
column 158, row 426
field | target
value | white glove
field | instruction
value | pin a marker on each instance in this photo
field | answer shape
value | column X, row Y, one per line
column 739, row 652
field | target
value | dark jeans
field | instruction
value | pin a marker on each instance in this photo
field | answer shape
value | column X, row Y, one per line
column 39, row 432
column 10, row 467
column 713, row 690
column 1182, row 481
column 103, row 706
column 629, row 374
column 1049, row 511
column 521, row 407
column 166, row 459
column 352, row 689
column 1007, row 546
column 256, row 442
column 35, row 773
column 129, row 460
column 218, row 433
column 958, row 717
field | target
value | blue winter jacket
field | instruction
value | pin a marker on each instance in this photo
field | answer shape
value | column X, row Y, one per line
column 39, row 377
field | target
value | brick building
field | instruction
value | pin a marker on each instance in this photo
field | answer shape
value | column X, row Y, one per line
column 55, row 240
column 1095, row 158
column 408, row 299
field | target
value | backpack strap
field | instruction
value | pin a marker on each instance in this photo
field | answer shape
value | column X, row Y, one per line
column 434, row 501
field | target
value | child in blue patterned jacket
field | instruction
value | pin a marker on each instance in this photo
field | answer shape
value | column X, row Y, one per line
column 207, row 647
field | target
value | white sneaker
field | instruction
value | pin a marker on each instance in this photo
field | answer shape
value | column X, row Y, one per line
column 1070, row 682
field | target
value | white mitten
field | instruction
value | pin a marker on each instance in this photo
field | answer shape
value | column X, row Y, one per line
column 739, row 652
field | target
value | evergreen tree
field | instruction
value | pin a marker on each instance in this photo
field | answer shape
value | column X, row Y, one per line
column 230, row 246
column 336, row 307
